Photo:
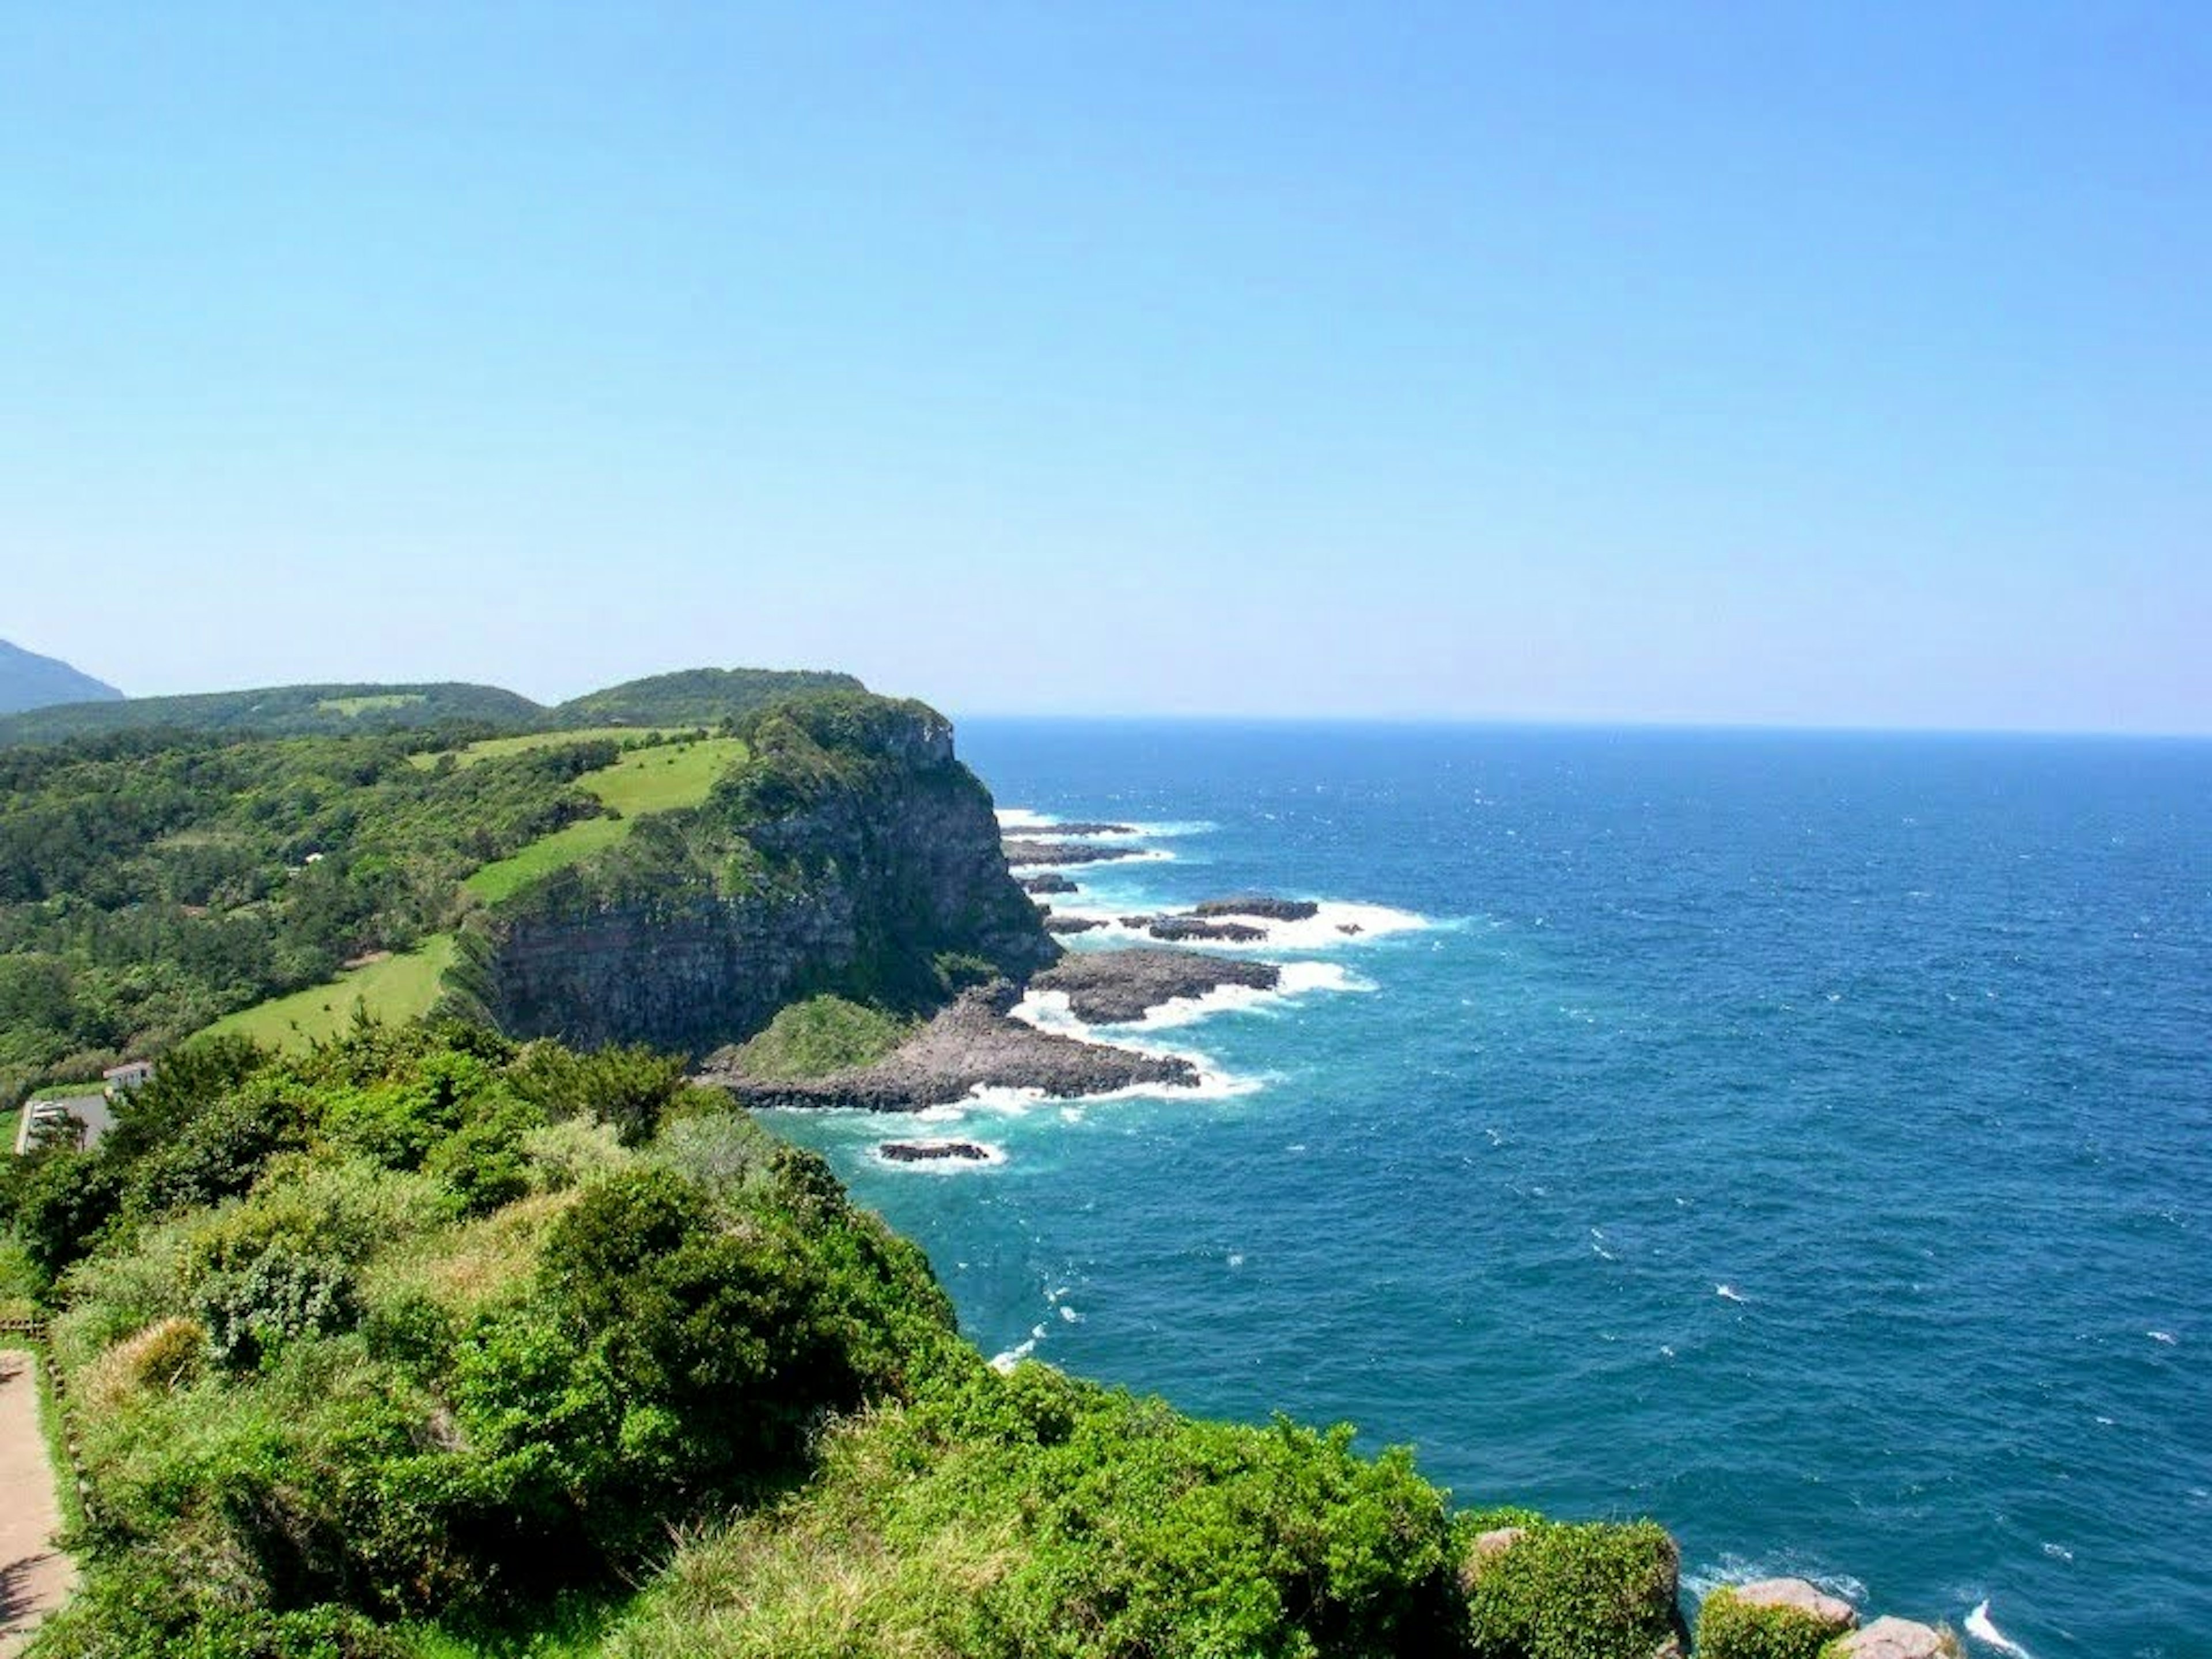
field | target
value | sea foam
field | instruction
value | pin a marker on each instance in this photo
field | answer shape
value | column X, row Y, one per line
column 1979, row 1627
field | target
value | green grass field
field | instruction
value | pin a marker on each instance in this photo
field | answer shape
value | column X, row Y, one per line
column 490, row 748
column 398, row 987
column 658, row 779
column 353, row 708
column 646, row 781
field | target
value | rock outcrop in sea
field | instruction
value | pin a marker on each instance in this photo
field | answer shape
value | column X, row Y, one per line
column 973, row 1044
column 1025, row 852
column 1108, row 988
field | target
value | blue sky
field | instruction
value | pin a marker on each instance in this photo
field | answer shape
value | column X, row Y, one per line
column 1845, row 365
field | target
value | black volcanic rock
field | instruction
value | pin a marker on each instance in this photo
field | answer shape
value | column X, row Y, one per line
column 1086, row 828
column 1253, row 904
column 1023, row 853
column 1177, row 928
column 1070, row 924
column 1111, row 986
column 973, row 1043
column 1048, row 882
column 928, row 1152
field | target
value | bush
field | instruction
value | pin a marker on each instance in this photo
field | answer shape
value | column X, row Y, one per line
column 1728, row 1628
column 1593, row 1591
column 280, row 1295
column 822, row 1034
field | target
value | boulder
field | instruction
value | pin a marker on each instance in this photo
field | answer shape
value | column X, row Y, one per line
column 1800, row 1595
column 1896, row 1638
column 1049, row 882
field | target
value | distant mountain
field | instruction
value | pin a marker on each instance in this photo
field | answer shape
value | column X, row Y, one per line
column 284, row 711
column 28, row 680
column 696, row 697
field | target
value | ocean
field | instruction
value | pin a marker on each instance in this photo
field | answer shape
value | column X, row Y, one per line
column 1799, row 1138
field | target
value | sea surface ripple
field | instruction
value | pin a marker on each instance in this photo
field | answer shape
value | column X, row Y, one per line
column 1801, row 1138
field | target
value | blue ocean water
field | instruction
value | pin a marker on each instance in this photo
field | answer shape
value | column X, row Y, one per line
column 1800, row 1138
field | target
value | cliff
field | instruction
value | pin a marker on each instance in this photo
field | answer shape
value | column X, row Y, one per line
column 850, row 852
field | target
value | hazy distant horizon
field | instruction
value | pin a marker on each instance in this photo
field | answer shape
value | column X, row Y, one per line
column 1315, row 717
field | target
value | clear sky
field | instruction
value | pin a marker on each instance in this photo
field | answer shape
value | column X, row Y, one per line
column 1832, row 365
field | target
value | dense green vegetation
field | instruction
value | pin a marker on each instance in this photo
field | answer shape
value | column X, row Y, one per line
column 1728, row 1628
column 698, row 696
column 690, row 697
column 282, row 711
column 821, row 1035
column 150, row 883
column 423, row 1341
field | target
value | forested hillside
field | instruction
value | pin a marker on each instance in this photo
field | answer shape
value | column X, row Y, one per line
column 150, row 883
column 284, row 711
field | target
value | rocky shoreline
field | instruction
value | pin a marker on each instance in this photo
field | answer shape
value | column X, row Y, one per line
column 974, row 1044
column 1024, row 853
column 1112, row 988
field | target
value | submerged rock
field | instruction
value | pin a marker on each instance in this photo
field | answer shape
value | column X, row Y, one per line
column 1108, row 987
column 973, row 1044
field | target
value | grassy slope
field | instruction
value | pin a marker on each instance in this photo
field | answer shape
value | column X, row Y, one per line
column 397, row 989
column 402, row 988
column 524, row 743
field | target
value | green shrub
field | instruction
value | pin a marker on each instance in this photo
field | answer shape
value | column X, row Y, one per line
column 1588, row 1591
column 1728, row 1628
column 822, row 1034
column 280, row 1295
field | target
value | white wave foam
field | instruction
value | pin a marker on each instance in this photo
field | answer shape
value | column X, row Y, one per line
column 1005, row 1361
column 1295, row 979
column 1979, row 1627
column 1728, row 1293
column 1333, row 927
column 2165, row 1337
column 1021, row 820
column 1703, row 1580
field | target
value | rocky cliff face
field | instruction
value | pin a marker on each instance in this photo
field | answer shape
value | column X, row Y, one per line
column 852, row 853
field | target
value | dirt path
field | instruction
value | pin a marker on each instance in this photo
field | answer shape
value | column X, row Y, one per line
column 35, row 1578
